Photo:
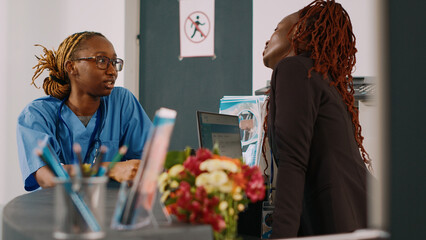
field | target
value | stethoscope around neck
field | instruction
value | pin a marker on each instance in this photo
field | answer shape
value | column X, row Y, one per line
column 93, row 138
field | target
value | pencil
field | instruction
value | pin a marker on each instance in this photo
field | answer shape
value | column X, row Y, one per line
column 121, row 152
column 104, row 171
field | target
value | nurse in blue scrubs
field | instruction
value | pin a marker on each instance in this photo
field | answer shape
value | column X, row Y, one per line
column 82, row 106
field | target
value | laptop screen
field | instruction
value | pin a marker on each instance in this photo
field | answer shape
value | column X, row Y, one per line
column 221, row 129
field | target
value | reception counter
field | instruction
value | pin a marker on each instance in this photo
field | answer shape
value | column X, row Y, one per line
column 31, row 216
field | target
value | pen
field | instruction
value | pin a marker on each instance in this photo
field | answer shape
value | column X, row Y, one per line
column 39, row 153
column 77, row 151
column 121, row 152
column 53, row 163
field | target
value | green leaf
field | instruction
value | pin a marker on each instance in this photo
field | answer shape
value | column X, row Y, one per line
column 173, row 158
column 170, row 201
column 216, row 149
column 188, row 152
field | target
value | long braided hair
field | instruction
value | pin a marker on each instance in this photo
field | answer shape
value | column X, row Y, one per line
column 324, row 30
column 57, row 84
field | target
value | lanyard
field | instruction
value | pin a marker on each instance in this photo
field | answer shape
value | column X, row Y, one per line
column 96, row 131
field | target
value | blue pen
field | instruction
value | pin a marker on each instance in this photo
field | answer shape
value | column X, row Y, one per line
column 53, row 163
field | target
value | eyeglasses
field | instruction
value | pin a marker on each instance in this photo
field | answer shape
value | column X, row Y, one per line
column 102, row 62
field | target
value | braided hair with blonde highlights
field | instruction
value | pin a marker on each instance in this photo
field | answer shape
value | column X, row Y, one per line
column 324, row 30
column 57, row 84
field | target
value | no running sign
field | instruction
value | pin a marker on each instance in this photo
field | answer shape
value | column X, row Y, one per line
column 196, row 28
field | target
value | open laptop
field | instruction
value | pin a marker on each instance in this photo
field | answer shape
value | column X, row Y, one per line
column 222, row 129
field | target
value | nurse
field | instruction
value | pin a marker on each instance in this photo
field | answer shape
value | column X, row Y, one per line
column 82, row 106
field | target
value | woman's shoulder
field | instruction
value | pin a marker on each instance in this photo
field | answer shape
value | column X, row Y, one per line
column 299, row 67
column 45, row 102
column 118, row 89
column 45, row 106
column 118, row 92
column 120, row 95
column 301, row 60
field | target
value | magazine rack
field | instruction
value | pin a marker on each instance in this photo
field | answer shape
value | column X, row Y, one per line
column 143, row 216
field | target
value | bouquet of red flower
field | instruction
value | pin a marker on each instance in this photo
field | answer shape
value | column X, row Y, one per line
column 208, row 188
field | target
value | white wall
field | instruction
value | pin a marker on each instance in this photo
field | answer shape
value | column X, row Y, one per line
column 3, row 98
column 47, row 22
column 268, row 13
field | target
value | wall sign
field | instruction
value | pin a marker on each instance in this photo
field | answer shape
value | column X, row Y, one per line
column 196, row 20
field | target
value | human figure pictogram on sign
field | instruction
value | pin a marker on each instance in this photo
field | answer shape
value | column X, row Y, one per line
column 197, row 27
column 198, row 23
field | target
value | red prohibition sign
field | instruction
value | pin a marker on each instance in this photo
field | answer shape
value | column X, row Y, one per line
column 197, row 27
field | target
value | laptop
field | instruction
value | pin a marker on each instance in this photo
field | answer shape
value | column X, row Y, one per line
column 222, row 129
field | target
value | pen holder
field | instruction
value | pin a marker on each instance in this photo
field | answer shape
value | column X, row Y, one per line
column 79, row 208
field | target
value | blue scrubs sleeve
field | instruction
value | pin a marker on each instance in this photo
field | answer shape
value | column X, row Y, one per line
column 136, row 126
column 31, row 129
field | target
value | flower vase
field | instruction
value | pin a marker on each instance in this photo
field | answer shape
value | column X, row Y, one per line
column 229, row 233
column 231, row 221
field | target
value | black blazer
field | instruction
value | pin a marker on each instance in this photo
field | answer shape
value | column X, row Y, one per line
column 321, row 182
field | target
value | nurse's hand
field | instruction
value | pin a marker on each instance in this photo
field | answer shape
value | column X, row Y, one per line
column 44, row 177
column 124, row 171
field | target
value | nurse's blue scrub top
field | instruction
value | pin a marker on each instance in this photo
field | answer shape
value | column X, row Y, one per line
column 123, row 121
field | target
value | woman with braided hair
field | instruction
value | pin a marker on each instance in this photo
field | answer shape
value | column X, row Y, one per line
column 82, row 106
column 312, row 124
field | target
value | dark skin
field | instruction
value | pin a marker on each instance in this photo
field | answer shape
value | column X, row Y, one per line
column 88, row 85
column 279, row 46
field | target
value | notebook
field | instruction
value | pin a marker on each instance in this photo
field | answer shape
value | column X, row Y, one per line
column 222, row 129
